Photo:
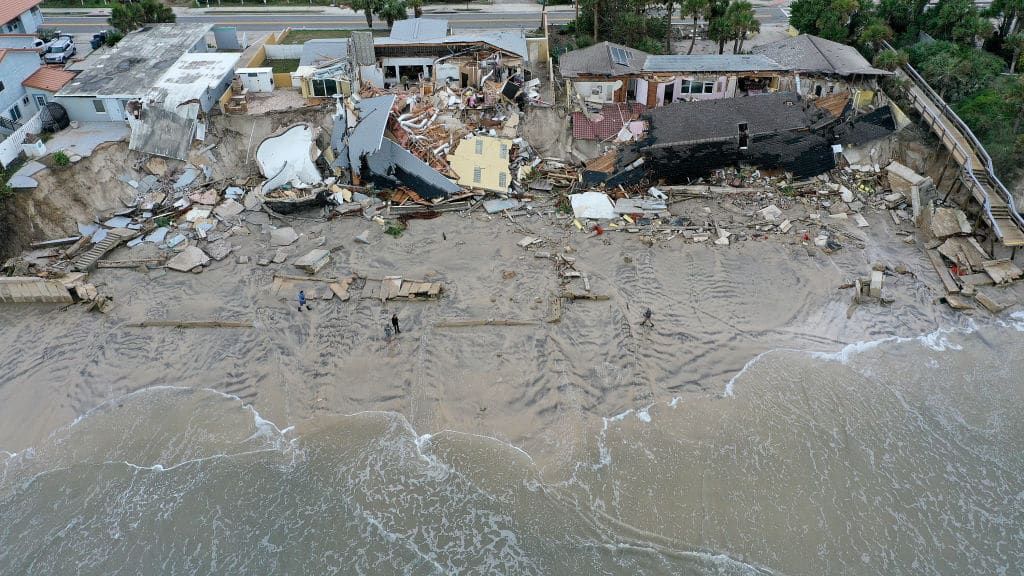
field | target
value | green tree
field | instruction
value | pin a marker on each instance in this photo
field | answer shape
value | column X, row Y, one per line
column 742, row 20
column 719, row 29
column 391, row 10
column 957, row 20
column 1007, row 14
column 899, row 15
column 670, row 10
column 367, row 7
column 1016, row 43
column 889, row 60
column 417, row 7
column 1015, row 99
column 696, row 10
column 132, row 15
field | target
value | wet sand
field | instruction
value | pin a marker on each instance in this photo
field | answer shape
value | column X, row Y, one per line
column 541, row 387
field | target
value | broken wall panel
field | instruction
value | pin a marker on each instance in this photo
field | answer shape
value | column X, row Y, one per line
column 804, row 154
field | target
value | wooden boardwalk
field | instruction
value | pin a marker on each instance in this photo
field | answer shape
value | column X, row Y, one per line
column 975, row 173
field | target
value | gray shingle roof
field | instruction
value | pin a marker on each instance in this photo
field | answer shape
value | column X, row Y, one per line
column 710, row 63
column 806, row 53
column 597, row 60
column 319, row 52
column 710, row 120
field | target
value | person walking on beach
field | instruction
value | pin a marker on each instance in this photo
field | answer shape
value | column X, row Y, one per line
column 302, row 300
column 647, row 318
column 394, row 323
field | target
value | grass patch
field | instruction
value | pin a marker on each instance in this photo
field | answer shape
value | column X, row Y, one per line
column 61, row 159
column 395, row 229
column 283, row 66
column 301, row 36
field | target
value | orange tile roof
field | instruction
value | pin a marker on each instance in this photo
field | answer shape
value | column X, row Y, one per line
column 49, row 79
column 11, row 9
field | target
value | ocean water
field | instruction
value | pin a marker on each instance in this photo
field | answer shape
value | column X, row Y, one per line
column 901, row 456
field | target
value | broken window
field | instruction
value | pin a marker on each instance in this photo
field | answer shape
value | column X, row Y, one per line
column 325, row 87
column 99, row 107
column 709, row 87
column 744, row 137
column 670, row 92
column 817, row 90
column 502, row 179
column 479, row 146
column 631, row 89
column 477, row 171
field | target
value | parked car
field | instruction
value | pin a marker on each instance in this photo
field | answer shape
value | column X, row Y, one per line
column 60, row 51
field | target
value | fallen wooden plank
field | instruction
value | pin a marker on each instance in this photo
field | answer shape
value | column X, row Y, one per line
column 128, row 263
column 577, row 296
column 327, row 279
column 940, row 268
column 989, row 303
column 190, row 324
column 55, row 242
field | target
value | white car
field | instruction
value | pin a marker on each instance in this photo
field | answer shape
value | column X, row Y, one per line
column 60, row 50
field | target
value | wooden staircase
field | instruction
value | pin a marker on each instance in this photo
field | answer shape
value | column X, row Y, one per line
column 1009, row 230
column 87, row 259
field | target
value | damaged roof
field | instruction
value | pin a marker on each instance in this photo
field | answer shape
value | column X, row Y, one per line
column 366, row 135
column 320, row 52
column 710, row 63
column 710, row 120
column 807, row 53
column 163, row 133
column 134, row 64
column 191, row 76
column 511, row 41
column 419, row 29
column 602, row 59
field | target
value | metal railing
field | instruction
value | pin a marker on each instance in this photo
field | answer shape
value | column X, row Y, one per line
column 976, row 147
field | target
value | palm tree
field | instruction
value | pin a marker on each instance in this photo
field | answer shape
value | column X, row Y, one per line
column 943, row 70
column 670, row 8
column 368, row 8
column 695, row 9
column 417, row 7
column 742, row 20
column 1015, row 41
column 391, row 10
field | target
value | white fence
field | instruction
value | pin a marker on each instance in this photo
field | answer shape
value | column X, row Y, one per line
column 283, row 51
column 11, row 146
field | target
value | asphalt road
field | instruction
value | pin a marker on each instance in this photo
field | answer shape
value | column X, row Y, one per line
column 277, row 21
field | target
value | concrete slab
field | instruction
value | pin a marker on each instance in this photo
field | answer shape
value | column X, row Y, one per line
column 83, row 140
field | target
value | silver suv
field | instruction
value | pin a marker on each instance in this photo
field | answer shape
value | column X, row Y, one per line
column 60, row 51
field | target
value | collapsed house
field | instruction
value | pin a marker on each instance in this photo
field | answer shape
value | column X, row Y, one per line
column 607, row 73
column 170, row 115
column 363, row 150
column 821, row 67
column 771, row 131
column 422, row 51
column 110, row 78
column 482, row 163
column 325, row 69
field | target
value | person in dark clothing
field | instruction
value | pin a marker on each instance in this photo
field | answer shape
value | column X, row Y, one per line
column 647, row 318
column 302, row 300
column 394, row 323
